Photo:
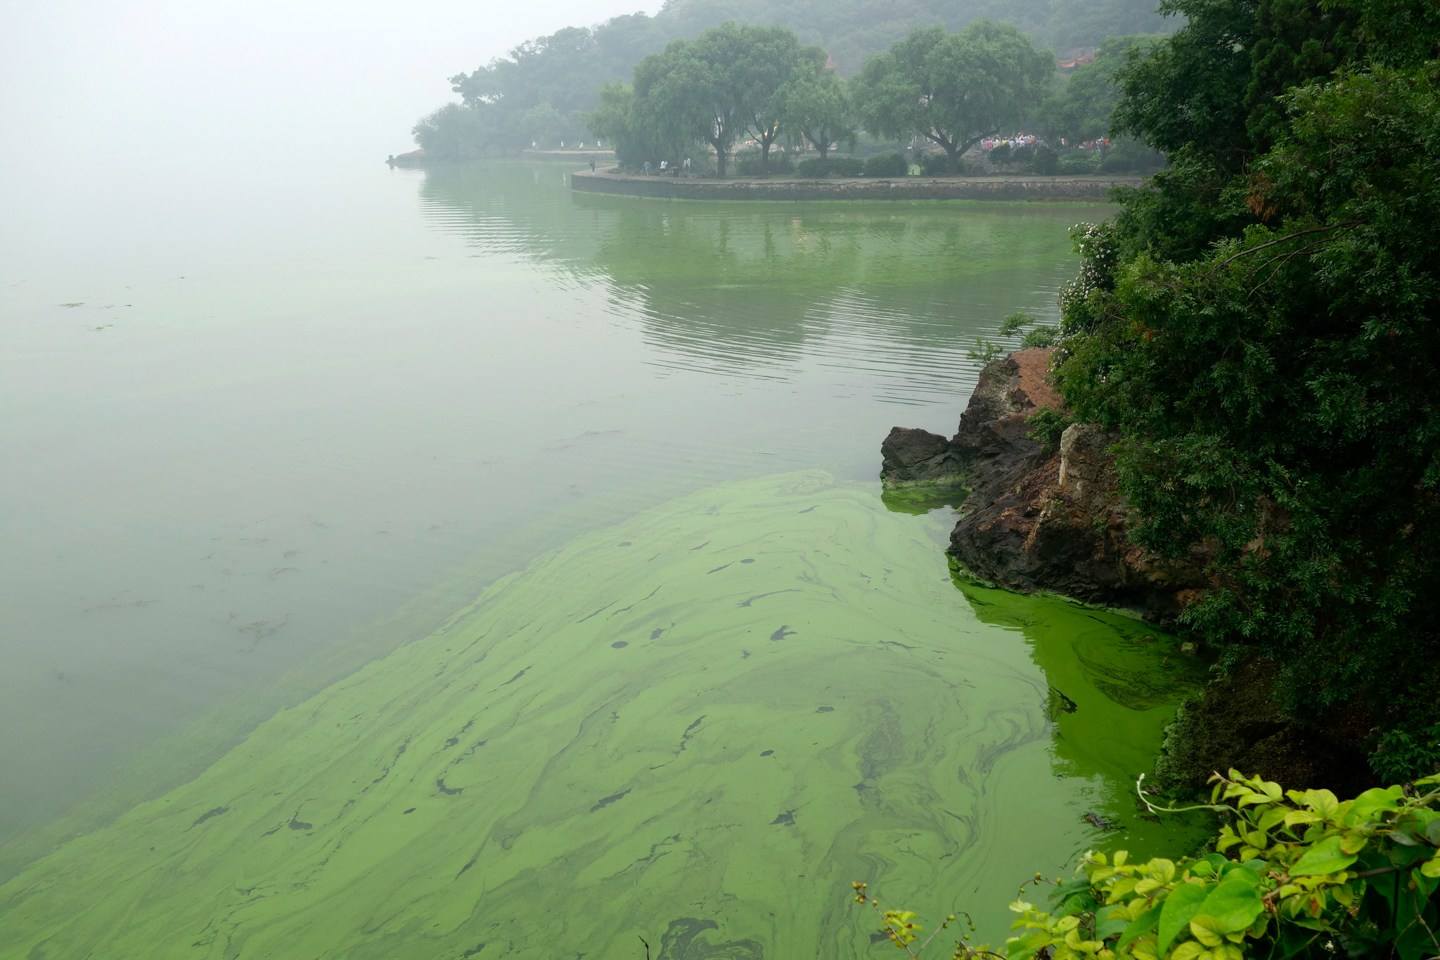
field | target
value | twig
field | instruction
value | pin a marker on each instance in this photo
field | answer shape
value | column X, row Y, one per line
column 1289, row 236
column 647, row 947
column 1284, row 259
column 1153, row 808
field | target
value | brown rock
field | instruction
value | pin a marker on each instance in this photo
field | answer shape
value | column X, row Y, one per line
column 1038, row 518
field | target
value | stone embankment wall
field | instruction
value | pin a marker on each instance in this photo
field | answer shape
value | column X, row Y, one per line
column 906, row 188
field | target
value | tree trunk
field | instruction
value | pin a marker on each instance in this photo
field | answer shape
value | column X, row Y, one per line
column 720, row 159
column 824, row 149
column 765, row 158
column 952, row 158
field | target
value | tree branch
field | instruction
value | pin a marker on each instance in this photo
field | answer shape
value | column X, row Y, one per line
column 1289, row 236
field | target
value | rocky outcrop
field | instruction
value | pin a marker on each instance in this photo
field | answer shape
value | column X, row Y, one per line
column 1051, row 517
column 1039, row 516
column 918, row 458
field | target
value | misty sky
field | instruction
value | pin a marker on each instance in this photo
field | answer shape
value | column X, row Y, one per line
column 136, row 82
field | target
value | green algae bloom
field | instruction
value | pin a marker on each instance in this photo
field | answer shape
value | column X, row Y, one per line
column 697, row 728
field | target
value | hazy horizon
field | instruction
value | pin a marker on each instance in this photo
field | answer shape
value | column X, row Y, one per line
column 163, row 81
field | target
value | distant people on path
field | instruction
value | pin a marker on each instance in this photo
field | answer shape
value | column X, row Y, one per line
column 646, row 167
column 592, row 166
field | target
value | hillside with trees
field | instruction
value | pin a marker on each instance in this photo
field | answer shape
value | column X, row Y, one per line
column 543, row 91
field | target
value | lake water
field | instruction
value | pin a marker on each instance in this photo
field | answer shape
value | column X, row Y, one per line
column 446, row 565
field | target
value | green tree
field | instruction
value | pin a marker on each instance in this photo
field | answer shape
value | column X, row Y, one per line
column 815, row 104
column 727, row 81
column 1083, row 105
column 952, row 89
column 1260, row 329
column 765, row 61
column 454, row 132
column 688, row 88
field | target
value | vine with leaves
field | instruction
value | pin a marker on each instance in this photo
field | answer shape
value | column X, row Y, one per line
column 1292, row 873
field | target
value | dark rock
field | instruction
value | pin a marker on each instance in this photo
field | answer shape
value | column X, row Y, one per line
column 915, row 457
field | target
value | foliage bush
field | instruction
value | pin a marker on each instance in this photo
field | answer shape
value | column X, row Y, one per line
column 935, row 165
column 1079, row 164
column 1127, row 155
column 1046, row 426
column 830, row 167
column 887, row 165
column 748, row 165
column 1044, row 161
column 1293, row 873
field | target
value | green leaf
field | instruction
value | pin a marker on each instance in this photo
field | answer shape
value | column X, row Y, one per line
column 1203, row 929
column 1138, row 927
column 1374, row 801
column 1323, row 858
column 1110, row 921
column 1188, row 950
column 1179, row 908
column 1352, row 841
column 1234, row 903
column 1273, row 816
column 1322, row 802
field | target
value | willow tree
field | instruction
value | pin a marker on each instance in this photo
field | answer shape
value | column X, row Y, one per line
column 816, row 105
column 725, row 82
column 953, row 89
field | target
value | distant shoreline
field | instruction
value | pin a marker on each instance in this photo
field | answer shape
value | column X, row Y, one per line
column 867, row 188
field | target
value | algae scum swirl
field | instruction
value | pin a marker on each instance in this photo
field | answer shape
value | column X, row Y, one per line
column 696, row 727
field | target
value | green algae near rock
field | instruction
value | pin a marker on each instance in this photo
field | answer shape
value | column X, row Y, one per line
column 696, row 727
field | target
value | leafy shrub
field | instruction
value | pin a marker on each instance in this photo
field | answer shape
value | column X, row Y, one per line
column 1046, row 426
column 1000, row 153
column 1045, row 161
column 1078, row 166
column 1039, row 335
column 830, row 167
column 985, row 351
column 938, row 165
column 1131, row 156
column 1294, row 873
column 1042, row 336
column 886, row 165
column 748, row 165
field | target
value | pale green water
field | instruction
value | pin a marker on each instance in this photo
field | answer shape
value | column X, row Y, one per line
column 296, row 425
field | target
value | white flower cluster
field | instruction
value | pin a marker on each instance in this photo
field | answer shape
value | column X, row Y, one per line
column 1096, row 246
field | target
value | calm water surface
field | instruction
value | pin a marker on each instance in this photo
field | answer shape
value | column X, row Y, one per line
column 263, row 430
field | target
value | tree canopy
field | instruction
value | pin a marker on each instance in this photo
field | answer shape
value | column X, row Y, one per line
column 556, row 80
column 1083, row 104
column 815, row 105
column 953, row 89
